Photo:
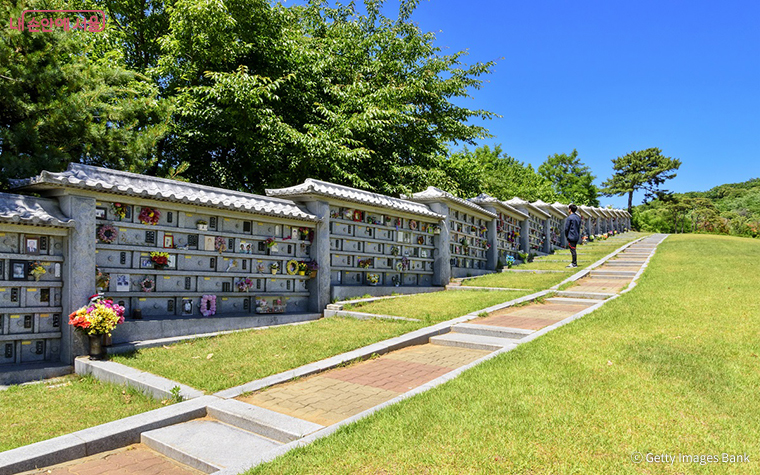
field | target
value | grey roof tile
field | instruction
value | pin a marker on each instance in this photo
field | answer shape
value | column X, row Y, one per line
column 520, row 203
column 20, row 209
column 484, row 199
column 546, row 207
column 312, row 187
column 433, row 194
column 132, row 184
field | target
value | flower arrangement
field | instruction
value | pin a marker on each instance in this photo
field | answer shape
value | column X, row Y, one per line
column 208, row 305
column 291, row 267
column 270, row 242
column 306, row 234
column 119, row 210
column 303, row 267
column 365, row 263
column 201, row 225
column 98, row 318
column 420, row 239
column 36, row 270
column 373, row 279
column 395, row 250
column 274, row 267
column 160, row 259
column 107, row 233
column 510, row 261
column 149, row 216
column 148, row 285
column 412, row 224
column 244, row 285
column 220, row 244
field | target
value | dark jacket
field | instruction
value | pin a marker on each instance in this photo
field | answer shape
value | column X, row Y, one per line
column 573, row 228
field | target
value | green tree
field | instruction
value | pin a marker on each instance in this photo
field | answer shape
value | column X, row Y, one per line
column 268, row 96
column 58, row 105
column 491, row 171
column 571, row 179
column 640, row 170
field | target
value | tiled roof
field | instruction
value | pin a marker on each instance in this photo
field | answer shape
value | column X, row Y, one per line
column 604, row 212
column 521, row 203
column 549, row 209
column 562, row 208
column 132, row 184
column 20, row 209
column 312, row 187
column 433, row 194
column 589, row 211
column 488, row 200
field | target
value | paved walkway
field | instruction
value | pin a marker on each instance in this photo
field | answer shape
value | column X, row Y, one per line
column 335, row 395
column 134, row 459
column 332, row 396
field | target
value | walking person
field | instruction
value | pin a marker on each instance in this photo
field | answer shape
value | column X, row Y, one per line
column 573, row 232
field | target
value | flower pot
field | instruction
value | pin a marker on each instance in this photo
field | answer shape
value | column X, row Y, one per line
column 274, row 271
column 313, row 274
column 202, row 227
column 96, row 347
column 301, row 272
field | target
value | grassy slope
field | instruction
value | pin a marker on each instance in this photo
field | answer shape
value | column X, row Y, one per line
column 438, row 306
column 672, row 366
column 37, row 412
column 245, row 356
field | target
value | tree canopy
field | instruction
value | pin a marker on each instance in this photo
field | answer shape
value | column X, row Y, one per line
column 251, row 94
column 640, row 170
column 571, row 180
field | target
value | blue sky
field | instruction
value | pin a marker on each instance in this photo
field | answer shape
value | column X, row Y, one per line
column 608, row 77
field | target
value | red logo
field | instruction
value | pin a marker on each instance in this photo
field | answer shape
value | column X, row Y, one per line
column 59, row 19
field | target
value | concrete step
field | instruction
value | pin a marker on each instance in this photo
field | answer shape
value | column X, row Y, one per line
column 564, row 300
column 258, row 420
column 612, row 273
column 207, row 445
column 473, row 342
column 623, row 263
column 490, row 330
column 598, row 296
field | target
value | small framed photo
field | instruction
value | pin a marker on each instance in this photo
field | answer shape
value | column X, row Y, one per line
column 19, row 270
column 187, row 306
column 145, row 262
column 168, row 241
column 172, row 261
column 32, row 245
column 122, row 282
column 100, row 213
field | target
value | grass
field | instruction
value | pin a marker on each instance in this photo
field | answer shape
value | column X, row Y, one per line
column 588, row 254
column 520, row 280
column 437, row 307
column 670, row 367
column 36, row 412
column 216, row 363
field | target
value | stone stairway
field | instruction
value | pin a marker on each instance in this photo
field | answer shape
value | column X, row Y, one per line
column 232, row 433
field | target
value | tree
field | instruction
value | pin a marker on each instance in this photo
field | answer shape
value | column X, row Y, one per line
column 268, row 96
column 491, row 171
column 571, row 179
column 640, row 170
column 58, row 105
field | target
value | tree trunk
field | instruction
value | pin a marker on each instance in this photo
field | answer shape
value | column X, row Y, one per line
column 630, row 203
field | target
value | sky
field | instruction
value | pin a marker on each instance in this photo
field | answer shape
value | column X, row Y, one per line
column 607, row 77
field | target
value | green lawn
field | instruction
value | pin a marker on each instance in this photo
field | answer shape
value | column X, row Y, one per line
column 437, row 306
column 588, row 254
column 244, row 356
column 670, row 367
column 36, row 412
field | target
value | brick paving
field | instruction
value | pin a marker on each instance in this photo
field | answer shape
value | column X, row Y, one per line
column 599, row 285
column 532, row 317
column 132, row 460
column 338, row 394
